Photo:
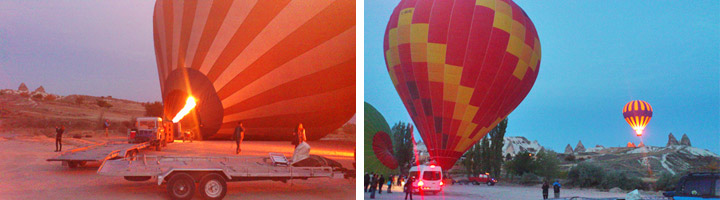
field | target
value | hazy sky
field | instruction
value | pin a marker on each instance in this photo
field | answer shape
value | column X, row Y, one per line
column 96, row 48
column 597, row 56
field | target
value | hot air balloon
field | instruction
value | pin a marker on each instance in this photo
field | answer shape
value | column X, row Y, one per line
column 269, row 64
column 379, row 156
column 637, row 113
column 460, row 67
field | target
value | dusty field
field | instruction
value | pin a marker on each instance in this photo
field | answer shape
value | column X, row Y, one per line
column 24, row 173
column 495, row 192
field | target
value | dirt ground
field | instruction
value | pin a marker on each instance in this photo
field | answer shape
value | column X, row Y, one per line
column 494, row 192
column 25, row 173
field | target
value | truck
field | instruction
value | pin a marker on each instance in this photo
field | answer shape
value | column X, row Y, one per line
column 149, row 132
column 480, row 179
column 152, row 130
column 209, row 175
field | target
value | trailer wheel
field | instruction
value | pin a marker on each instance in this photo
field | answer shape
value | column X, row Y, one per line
column 72, row 164
column 181, row 186
column 213, row 186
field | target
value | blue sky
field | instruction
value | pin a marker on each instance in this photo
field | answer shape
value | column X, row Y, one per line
column 597, row 56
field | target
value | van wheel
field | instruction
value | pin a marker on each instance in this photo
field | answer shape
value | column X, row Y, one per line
column 213, row 186
column 489, row 183
column 181, row 186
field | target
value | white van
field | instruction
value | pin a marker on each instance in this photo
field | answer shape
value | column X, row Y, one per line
column 428, row 178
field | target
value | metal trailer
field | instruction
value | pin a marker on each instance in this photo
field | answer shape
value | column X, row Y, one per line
column 99, row 153
column 181, row 173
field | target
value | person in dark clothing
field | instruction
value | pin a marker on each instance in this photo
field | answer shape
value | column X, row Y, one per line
column 239, row 136
column 373, row 185
column 408, row 187
column 556, row 188
column 545, row 188
column 381, row 183
column 367, row 182
column 58, row 138
column 390, row 183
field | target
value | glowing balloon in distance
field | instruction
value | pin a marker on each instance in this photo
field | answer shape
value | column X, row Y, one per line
column 460, row 68
column 637, row 113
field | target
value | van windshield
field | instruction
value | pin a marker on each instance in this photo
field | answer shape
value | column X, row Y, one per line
column 431, row 175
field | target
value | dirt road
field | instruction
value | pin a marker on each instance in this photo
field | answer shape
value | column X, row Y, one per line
column 460, row 192
column 24, row 173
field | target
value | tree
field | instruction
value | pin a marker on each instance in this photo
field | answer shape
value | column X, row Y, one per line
column 403, row 145
column 586, row 175
column 547, row 164
column 473, row 160
column 497, row 141
column 485, row 155
column 154, row 109
column 522, row 163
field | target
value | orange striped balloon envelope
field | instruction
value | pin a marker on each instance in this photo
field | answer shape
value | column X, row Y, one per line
column 460, row 67
column 269, row 64
column 637, row 113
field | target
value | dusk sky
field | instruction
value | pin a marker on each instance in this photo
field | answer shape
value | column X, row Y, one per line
column 97, row 48
column 596, row 57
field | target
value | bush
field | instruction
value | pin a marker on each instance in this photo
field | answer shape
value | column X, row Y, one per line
column 622, row 180
column 547, row 164
column 50, row 97
column 103, row 104
column 667, row 181
column 154, row 109
column 570, row 158
column 529, row 179
column 586, row 175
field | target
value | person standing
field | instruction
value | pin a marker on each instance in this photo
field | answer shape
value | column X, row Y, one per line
column 390, row 183
column 239, row 136
column 367, row 179
column 299, row 135
column 373, row 185
column 106, row 125
column 556, row 188
column 58, row 137
column 381, row 183
column 408, row 187
column 545, row 188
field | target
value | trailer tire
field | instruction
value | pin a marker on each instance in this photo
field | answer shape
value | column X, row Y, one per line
column 72, row 164
column 213, row 186
column 181, row 186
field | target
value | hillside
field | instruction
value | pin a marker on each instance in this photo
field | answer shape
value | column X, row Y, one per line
column 39, row 112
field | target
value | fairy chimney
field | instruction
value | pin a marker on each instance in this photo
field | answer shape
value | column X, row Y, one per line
column 40, row 89
column 631, row 145
column 568, row 149
column 580, row 147
column 23, row 87
column 672, row 140
column 685, row 140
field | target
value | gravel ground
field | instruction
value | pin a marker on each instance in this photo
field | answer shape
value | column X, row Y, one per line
column 495, row 192
column 24, row 173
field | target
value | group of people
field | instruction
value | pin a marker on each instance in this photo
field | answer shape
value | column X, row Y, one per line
column 374, row 183
column 239, row 134
column 556, row 189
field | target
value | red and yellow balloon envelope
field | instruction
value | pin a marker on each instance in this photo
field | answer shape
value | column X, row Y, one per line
column 460, row 68
column 269, row 64
column 637, row 113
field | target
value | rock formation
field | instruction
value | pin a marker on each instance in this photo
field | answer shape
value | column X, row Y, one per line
column 685, row 140
column 568, row 149
column 580, row 147
column 40, row 89
column 23, row 87
column 631, row 145
column 672, row 140
column 599, row 146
